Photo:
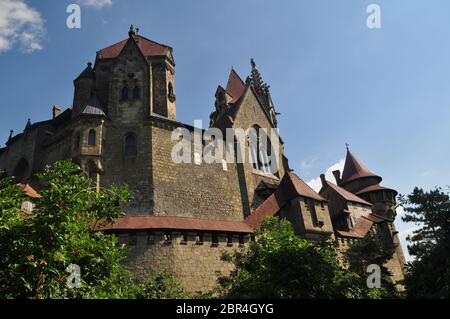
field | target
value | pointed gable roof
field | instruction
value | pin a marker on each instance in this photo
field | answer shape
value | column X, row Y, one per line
column 294, row 186
column 354, row 169
column 235, row 86
column 291, row 186
column 146, row 46
column 87, row 73
column 346, row 194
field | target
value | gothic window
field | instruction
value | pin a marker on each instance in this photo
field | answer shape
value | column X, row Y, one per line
column 124, row 96
column 130, row 148
column 92, row 138
column 136, row 93
column 260, row 150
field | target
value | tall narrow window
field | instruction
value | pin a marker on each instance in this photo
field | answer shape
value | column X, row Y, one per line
column 136, row 93
column 170, row 92
column 124, row 96
column 260, row 149
column 92, row 138
column 130, row 145
column 77, row 142
column 312, row 209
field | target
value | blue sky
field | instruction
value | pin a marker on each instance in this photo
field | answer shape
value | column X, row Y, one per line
column 384, row 91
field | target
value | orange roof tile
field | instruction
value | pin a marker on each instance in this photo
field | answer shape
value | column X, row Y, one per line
column 148, row 48
column 347, row 195
column 300, row 187
column 29, row 191
column 360, row 230
column 291, row 186
column 374, row 188
column 174, row 222
column 235, row 86
column 355, row 169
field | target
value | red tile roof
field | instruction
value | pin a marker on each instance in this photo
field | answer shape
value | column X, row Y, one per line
column 355, row 169
column 175, row 223
column 347, row 195
column 29, row 191
column 291, row 182
column 148, row 48
column 374, row 188
column 235, row 86
column 360, row 230
column 269, row 207
column 291, row 186
column 362, row 226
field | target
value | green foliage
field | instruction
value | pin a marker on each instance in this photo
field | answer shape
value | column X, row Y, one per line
column 428, row 276
column 35, row 249
column 372, row 249
column 279, row 264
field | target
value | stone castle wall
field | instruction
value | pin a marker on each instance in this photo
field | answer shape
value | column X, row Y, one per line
column 196, row 265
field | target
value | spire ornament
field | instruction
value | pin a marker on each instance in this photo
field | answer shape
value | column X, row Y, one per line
column 132, row 31
column 262, row 91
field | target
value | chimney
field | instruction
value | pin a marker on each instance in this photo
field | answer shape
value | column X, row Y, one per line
column 322, row 179
column 337, row 176
column 56, row 110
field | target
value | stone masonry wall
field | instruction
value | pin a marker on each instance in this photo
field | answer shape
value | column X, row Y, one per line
column 195, row 266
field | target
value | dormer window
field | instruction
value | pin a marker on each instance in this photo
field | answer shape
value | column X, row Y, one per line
column 124, row 95
column 92, row 138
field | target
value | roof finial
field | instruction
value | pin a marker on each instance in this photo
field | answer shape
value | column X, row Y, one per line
column 346, row 145
column 11, row 132
column 252, row 62
column 28, row 125
column 132, row 31
column 137, row 30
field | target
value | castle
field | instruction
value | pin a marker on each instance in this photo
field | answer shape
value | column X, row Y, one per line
column 184, row 215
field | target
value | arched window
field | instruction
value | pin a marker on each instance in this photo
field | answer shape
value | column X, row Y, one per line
column 124, row 96
column 260, row 150
column 136, row 93
column 130, row 147
column 170, row 88
column 92, row 138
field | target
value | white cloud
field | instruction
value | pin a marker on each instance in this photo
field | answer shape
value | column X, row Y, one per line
column 402, row 236
column 306, row 165
column 20, row 25
column 316, row 184
column 98, row 4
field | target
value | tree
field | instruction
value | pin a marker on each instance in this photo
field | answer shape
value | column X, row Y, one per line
column 37, row 248
column 279, row 264
column 372, row 249
column 428, row 276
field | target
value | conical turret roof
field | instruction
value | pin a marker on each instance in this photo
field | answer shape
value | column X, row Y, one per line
column 354, row 169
